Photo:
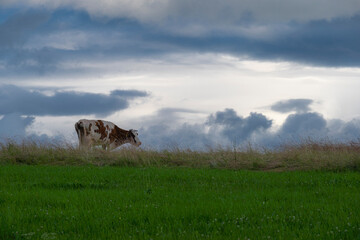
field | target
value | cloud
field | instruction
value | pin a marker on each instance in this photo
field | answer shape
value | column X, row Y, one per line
column 168, row 129
column 71, row 41
column 298, row 128
column 324, row 43
column 303, row 125
column 297, row 105
column 164, row 130
column 17, row 28
column 167, row 118
column 342, row 131
column 128, row 93
column 14, row 125
column 15, row 99
column 226, row 128
column 202, row 10
column 351, row 129
column 183, row 136
column 237, row 128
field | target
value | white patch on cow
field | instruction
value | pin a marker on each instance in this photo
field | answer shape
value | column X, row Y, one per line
column 136, row 138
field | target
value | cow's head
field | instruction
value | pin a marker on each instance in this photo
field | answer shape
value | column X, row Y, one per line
column 134, row 139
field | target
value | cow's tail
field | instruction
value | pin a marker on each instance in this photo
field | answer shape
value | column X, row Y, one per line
column 80, row 130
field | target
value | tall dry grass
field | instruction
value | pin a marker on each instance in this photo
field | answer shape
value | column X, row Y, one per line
column 305, row 156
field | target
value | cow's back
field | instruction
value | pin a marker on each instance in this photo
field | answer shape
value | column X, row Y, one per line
column 96, row 131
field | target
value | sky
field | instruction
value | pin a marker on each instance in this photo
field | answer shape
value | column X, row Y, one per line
column 187, row 74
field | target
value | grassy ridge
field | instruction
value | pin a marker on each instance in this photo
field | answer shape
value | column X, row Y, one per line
column 87, row 202
column 306, row 156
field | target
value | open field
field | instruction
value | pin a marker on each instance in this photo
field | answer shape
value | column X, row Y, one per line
column 306, row 156
column 307, row 191
column 88, row 202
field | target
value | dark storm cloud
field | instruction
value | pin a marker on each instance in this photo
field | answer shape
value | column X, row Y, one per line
column 18, row 28
column 237, row 128
column 297, row 105
column 325, row 43
column 322, row 42
column 27, row 62
column 14, row 125
column 39, row 42
column 128, row 93
column 15, row 99
column 297, row 128
column 49, row 41
column 303, row 124
column 211, row 11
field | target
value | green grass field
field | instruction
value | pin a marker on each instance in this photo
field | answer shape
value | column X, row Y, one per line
column 91, row 202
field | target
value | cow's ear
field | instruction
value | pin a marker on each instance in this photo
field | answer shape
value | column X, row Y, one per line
column 131, row 133
column 134, row 131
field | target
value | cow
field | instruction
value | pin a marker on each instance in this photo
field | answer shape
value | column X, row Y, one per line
column 98, row 132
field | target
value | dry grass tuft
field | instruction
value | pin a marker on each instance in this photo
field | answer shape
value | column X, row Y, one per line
column 305, row 156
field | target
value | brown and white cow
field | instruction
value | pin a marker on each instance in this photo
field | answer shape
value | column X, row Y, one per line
column 104, row 133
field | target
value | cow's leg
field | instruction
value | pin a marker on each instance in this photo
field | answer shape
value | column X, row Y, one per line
column 111, row 146
column 80, row 133
column 81, row 146
column 85, row 143
column 82, row 143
